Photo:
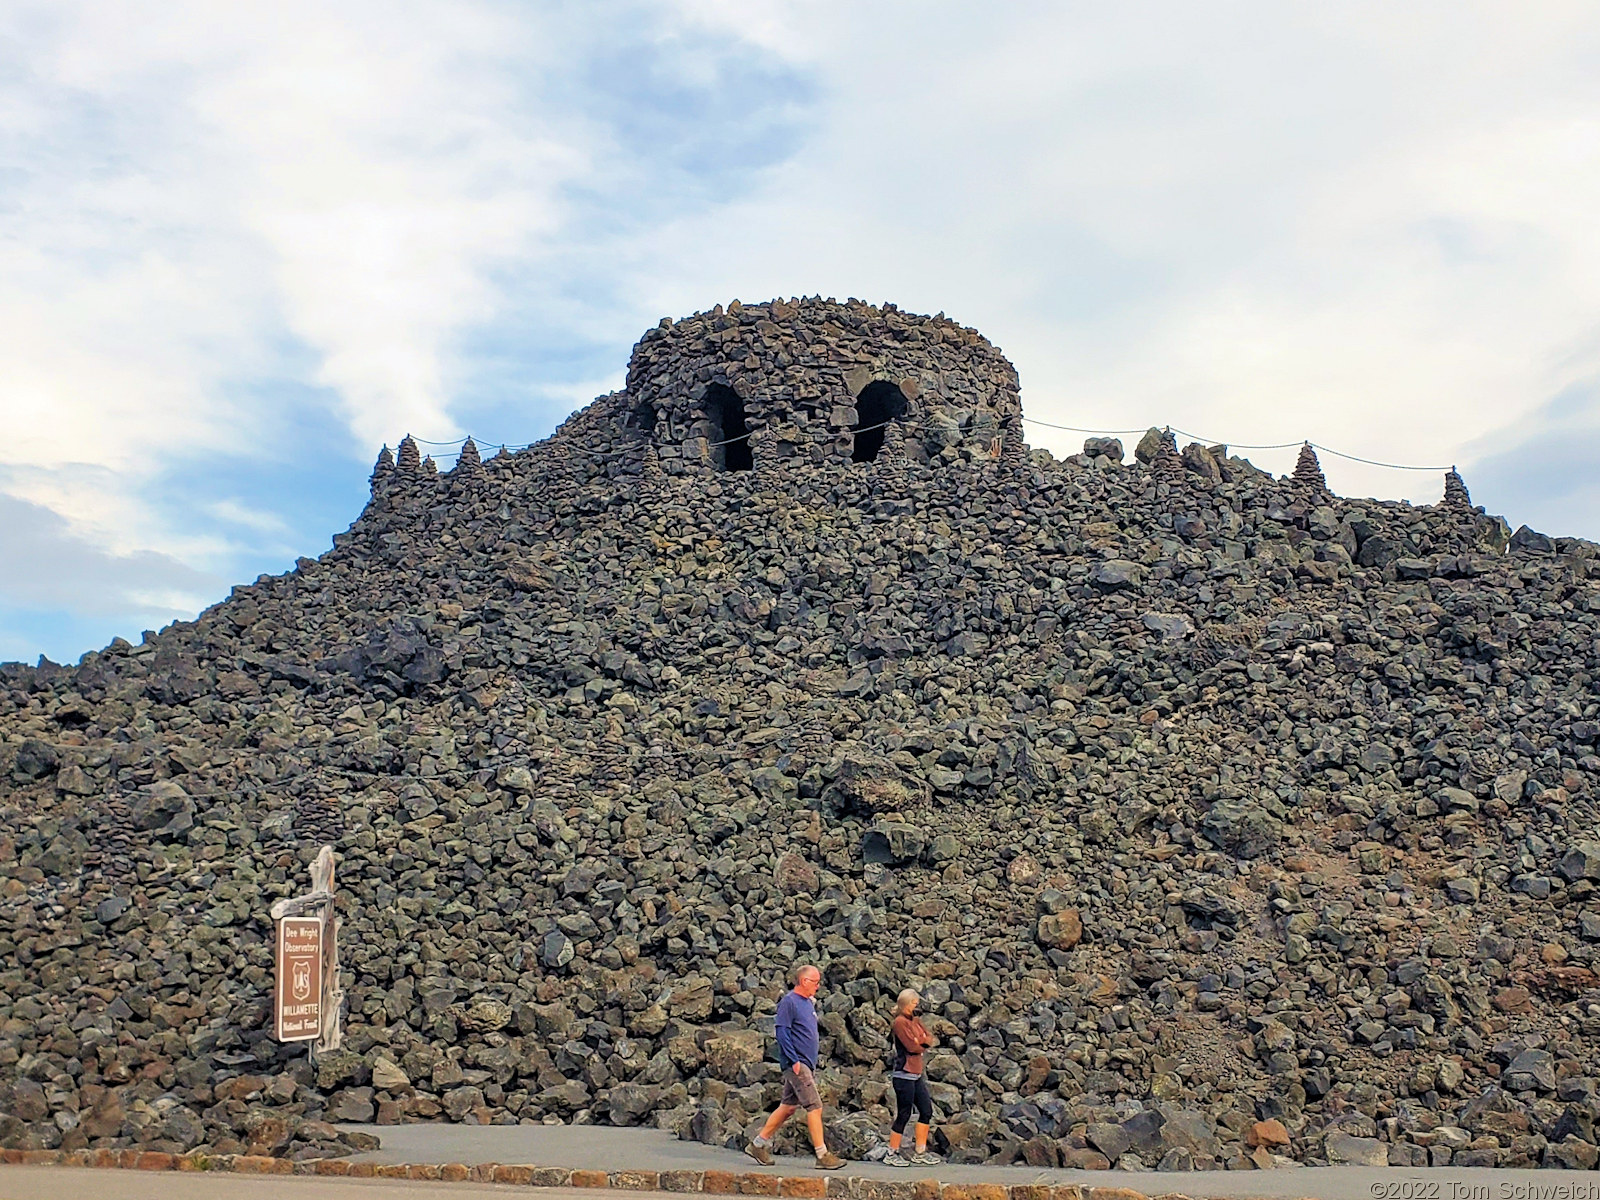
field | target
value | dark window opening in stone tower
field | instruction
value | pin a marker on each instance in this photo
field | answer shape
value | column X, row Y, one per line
column 879, row 403
column 725, row 410
column 644, row 419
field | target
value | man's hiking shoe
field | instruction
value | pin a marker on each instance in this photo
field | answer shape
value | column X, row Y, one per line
column 829, row 1161
column 896, row 1159
column 923, row 1159
column 762, row 1154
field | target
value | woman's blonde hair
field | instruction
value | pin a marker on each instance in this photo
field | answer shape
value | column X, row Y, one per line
column 904, row 1001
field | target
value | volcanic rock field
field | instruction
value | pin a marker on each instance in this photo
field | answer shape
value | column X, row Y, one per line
column 1221, row 821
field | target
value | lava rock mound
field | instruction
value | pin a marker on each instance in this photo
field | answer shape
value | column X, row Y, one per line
column 1216, row 817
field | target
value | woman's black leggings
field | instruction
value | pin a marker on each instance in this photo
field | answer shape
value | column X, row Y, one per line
column 909, row 1093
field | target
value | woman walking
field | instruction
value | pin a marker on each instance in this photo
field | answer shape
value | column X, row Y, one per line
column 911, row 1041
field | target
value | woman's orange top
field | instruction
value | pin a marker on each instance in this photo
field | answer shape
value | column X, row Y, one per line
column 914, row 1040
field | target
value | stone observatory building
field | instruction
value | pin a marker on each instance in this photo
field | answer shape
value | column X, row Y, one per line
column 812, row 381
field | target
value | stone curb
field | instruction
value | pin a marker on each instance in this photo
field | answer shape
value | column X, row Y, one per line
column 708, row 1183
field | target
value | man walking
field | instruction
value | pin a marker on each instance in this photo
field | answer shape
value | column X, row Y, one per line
column 796, row 1030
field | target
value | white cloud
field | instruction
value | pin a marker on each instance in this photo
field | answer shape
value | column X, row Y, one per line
column 214, row 215
column 234, row 513
column 53, row 569
column 390, row 177
column 218, row 180
column 1366, row 227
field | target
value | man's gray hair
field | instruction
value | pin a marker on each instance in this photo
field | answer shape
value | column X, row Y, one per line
column 800, row 974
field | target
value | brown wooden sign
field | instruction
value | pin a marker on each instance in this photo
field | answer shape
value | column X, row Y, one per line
column 309, row 994
column 299, row 1005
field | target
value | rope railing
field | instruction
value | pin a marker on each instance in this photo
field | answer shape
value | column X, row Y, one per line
column 1371, row 462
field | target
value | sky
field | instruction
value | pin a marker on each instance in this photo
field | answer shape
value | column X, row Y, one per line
column 243, row 246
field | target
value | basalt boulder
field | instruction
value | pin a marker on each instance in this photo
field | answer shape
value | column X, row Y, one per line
column 871, row 786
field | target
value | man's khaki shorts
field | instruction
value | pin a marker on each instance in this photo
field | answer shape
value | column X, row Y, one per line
column 800, row 1089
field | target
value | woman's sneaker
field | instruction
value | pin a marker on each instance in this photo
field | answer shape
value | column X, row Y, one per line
column 895, row 1159
column 923, row 1158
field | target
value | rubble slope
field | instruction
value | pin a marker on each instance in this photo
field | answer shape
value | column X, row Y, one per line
column 1190, row 799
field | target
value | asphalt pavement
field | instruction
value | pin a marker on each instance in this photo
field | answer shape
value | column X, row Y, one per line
column 69, row 1183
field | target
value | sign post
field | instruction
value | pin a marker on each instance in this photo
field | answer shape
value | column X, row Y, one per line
column 308, row 996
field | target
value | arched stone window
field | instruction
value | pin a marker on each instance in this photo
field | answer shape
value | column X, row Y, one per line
column 878, row 403
column 724, row 409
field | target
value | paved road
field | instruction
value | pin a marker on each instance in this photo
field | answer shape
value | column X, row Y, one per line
column 1322, row 1183
column 66, row 1183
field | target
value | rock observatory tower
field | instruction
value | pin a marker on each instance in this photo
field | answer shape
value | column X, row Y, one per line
column 809, row 381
